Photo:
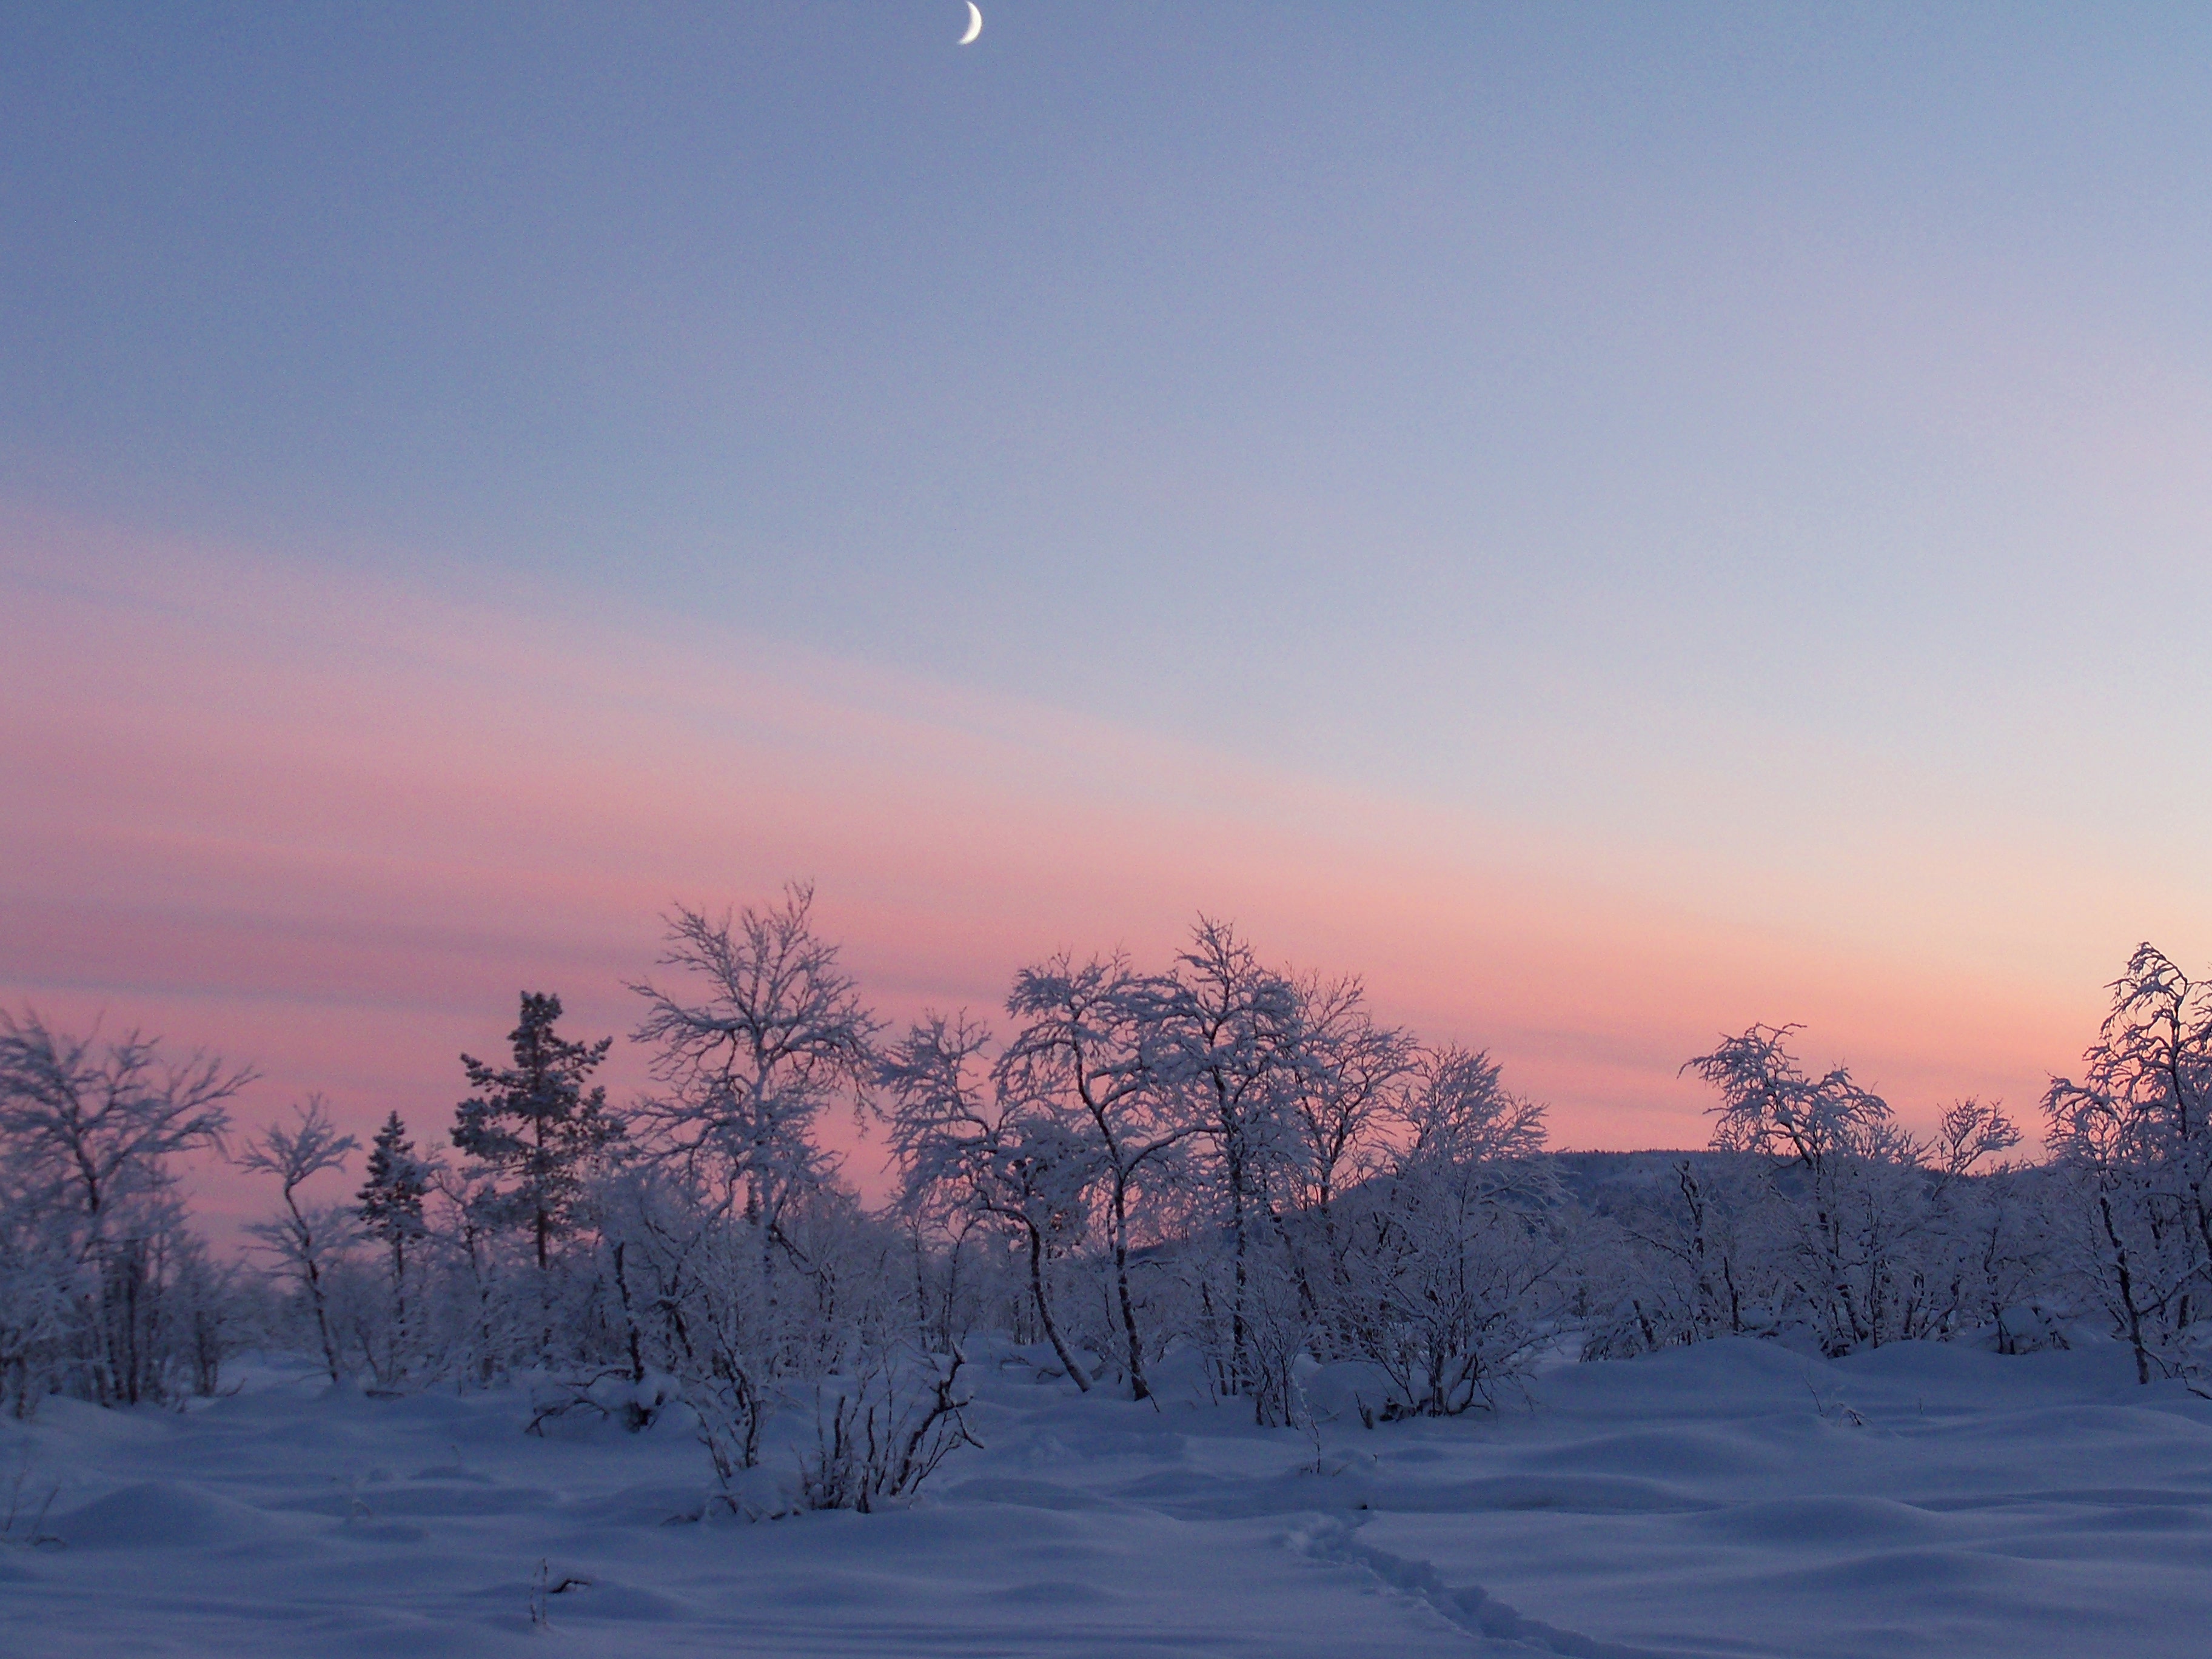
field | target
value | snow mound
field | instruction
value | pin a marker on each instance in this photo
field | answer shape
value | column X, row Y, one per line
column 162, row 1515
column 1827, row 1523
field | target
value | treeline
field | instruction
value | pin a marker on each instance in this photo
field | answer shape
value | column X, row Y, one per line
column 1218, row 1156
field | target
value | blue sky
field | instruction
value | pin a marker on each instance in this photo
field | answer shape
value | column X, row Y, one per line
column 1409, row 332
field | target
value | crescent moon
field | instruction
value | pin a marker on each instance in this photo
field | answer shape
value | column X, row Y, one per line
column 975, row 22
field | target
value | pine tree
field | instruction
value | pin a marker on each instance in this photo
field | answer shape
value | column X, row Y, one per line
column 392, row 1196
column 533, row 1125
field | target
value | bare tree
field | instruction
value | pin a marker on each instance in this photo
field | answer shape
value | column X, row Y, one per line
column 305, row 1239
column 776, row 1034
column 96, row 1123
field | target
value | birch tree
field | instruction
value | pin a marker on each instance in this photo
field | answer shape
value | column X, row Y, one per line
column 1344, row 1071
column 89, row 1131
column 1227, row 1037
column 964, row 1144
column 1454, row 1259
column 764, row 1031
column 2135, row 1137
column 1872, row 1244
column 90, row 1125
column 306, row 1239
column 1088, row 1058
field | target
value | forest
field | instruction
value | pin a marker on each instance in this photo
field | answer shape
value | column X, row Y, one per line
column 1212, row 1162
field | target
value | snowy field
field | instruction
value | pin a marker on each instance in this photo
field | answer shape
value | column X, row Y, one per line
column 1735, row 1499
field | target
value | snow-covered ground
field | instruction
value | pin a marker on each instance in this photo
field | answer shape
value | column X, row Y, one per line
column 1732, row 1499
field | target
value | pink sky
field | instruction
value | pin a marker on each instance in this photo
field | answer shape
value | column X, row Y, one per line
column 332, row 824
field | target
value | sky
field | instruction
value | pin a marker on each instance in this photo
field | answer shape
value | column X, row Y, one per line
column 1613, row 523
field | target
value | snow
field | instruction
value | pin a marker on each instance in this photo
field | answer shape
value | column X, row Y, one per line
column 1735, row 1499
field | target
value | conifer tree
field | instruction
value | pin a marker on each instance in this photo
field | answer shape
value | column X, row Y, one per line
column 532, row 1126
column 392, row 1196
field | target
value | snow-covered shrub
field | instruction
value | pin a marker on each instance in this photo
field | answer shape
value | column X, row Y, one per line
column 1455, row 1266
column 1695, row 1257
column 884, row 1430
column 698, row 1302
column 740, row 1328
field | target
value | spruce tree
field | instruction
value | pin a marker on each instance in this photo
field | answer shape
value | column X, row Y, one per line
column 532, row 1126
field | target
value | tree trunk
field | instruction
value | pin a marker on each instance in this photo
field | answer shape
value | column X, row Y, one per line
column 1240, row 1338
column 1044, row 1312
column 1138, row 1389
column 2127, row 1290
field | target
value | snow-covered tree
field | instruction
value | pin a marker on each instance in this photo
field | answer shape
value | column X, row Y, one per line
column 1454, row 1267
column 42, row 1289
column 1345, row 1068
column 306, row 1239
column 396, row 1182
column 966, row 1147
column 2134, row 1137
column 1088, row 1059
column 762, row 1271
column 1694, row 1257
column 1227, row 1042
column 1770, row 1105
column 89, row 1132
column 1871, row 1215
column 88, row 1126
column 765, row 1032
